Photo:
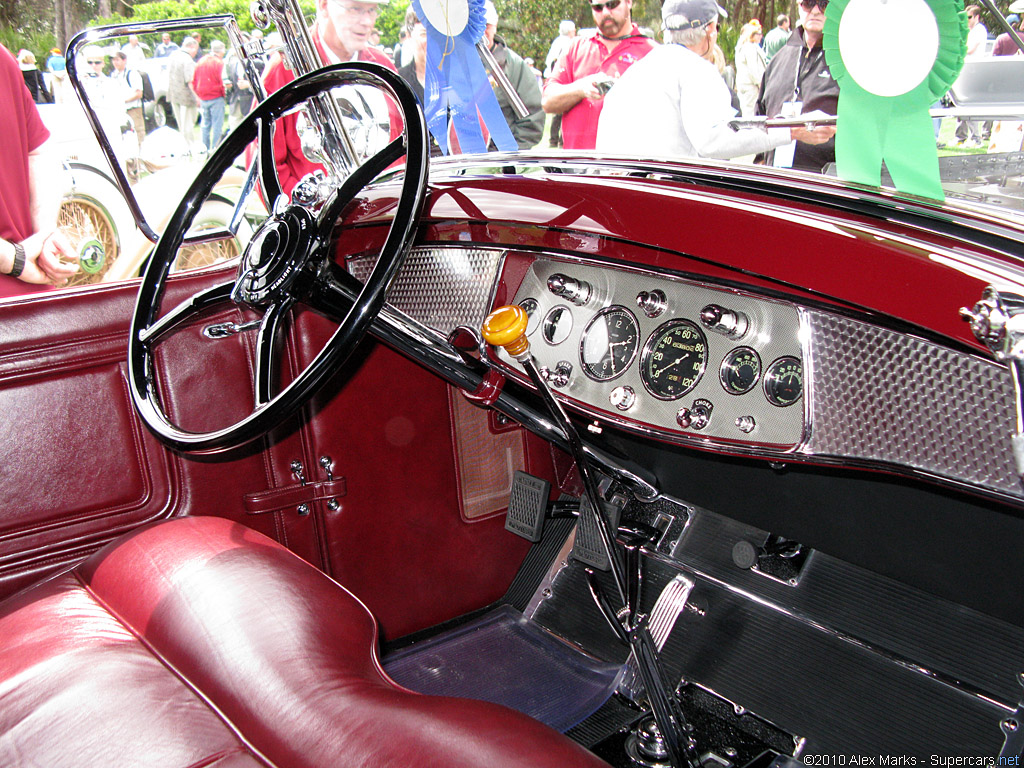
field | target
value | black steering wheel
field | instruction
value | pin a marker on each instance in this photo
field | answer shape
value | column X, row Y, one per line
column 287, row 262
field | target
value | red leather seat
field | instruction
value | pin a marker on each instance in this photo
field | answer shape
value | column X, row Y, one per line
column 198, row 642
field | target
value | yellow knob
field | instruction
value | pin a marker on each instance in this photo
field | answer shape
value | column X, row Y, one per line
column 506, row 327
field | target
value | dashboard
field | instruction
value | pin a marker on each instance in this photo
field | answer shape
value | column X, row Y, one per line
column 673, row 355
column 707, row 365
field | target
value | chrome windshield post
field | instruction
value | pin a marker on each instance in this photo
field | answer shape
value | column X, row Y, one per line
column 997, row 321
column 336, row 151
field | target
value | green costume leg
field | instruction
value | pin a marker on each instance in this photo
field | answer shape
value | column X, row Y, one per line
column 860, row 134
column 870, row 129
column 910, row 155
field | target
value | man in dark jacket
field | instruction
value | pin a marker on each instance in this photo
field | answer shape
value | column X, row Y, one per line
column 797, row 81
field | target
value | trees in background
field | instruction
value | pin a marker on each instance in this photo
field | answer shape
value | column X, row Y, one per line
column 528, row 25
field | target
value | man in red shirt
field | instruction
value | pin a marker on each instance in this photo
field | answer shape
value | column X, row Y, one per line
column 30, row 245
column 577, row 87
column 208, row 85
column 342, row 33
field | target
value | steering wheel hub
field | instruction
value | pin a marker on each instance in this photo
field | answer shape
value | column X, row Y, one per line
column 274, row 257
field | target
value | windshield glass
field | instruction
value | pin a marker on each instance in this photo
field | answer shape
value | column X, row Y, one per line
column 825, row 92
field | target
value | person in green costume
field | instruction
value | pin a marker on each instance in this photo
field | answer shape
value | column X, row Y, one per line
column 883, row 114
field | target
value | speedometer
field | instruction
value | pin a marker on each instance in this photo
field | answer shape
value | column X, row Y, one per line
column 673, row 359
column 609, row 343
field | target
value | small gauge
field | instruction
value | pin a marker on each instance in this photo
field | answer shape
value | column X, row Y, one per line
column 740, row 370
column 609, row 343
column 784, row 381
column 557, row 325
column 532, row 317
column 673, row 359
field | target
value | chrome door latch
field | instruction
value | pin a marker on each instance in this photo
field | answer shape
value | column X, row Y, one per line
column 998, row 322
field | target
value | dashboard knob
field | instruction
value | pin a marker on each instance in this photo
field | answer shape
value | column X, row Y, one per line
column 653, row 303
column 727, row 322
column 696, row 416
column 558, row 377
column 746, row 424
column 506, row 327
column 569, row 288
column 623, row 398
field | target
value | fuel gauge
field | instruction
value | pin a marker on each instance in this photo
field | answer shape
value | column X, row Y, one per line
column 784, row 381
column 740, row 370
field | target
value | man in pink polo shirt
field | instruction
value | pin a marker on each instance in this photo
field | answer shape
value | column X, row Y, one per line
column 577, row 87
column 342, row 33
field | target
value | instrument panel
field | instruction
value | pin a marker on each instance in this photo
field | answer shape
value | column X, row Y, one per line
column 665, row 354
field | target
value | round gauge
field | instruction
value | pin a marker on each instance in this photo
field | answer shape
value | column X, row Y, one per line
column 740, row 370
column 784, row 381
column 609, row 343
column 532, row 318
column 557, row 325
column 673, row 359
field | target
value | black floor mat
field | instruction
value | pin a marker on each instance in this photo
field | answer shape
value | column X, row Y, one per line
column 504, row 658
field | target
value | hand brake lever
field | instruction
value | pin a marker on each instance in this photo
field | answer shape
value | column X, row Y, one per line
column 506, row 327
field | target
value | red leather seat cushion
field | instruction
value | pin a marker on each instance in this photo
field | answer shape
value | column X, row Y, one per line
column 200, row 642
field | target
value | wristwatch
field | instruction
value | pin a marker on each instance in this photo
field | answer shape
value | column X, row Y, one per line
column 19, row 260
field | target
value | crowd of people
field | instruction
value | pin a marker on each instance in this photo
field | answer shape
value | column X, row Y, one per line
column 611, row 88
column 680, row 103
column 614, row 89
column 618, row 91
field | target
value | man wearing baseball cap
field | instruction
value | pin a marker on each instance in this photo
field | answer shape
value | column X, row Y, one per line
column 341, row 34
column 674, row 103
column 581, row 78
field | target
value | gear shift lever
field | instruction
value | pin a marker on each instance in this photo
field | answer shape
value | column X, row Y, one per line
column 506, row 327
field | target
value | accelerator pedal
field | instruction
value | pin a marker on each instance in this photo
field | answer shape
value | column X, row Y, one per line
column 527, row 505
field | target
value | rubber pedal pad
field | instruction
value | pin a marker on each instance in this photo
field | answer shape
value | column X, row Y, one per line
column 527, row 504
column 587, row 548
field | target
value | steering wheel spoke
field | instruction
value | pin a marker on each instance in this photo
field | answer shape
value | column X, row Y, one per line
column 359, row 178
column 266, row 353
column 288, row 260
column 187, row 309
column 268, row 171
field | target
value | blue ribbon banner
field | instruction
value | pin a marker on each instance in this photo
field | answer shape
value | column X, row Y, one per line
column 457, row 93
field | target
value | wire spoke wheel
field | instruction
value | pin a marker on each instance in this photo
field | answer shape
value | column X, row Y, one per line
column 91, row 232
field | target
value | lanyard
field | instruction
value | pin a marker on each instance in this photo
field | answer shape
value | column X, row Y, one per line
column 799, row 65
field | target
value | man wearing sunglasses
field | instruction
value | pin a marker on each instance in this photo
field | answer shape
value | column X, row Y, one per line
column 341, row 34
column 797, row 81
column 582, row 77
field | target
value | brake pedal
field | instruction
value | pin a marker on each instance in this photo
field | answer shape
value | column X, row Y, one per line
column 588, row 548
column 527, row 504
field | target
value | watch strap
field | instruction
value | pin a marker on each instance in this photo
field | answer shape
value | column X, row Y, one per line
column 19, row 260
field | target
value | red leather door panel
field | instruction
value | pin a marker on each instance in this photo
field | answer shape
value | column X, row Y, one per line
column 77, row 467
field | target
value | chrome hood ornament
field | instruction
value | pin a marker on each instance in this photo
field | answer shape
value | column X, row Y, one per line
column 997, row 321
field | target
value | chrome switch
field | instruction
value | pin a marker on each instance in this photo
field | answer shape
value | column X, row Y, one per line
column 727, row 322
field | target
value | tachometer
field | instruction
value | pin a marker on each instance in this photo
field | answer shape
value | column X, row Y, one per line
column 609, row 343
column 740, row 370
column 784, row 381
column 673, row 359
